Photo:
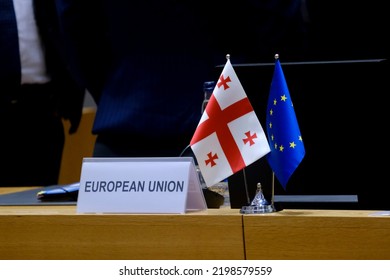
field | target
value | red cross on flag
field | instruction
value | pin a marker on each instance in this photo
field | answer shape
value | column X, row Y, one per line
column 229, row 135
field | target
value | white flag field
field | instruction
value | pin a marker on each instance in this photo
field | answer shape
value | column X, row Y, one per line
column 229, row 135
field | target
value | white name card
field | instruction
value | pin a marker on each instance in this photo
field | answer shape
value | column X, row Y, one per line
column 139, row 185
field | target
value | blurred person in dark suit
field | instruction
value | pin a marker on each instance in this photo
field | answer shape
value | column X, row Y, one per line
column 36, row 94
column 144, row 62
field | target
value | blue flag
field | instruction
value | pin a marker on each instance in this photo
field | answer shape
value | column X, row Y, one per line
column 284, row 136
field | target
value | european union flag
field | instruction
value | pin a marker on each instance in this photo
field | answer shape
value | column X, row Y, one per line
column 284, row 136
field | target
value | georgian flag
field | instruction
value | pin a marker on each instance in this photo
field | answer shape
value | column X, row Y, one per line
column 229, row 135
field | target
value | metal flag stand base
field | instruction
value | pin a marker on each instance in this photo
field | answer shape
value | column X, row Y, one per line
column 259, row 204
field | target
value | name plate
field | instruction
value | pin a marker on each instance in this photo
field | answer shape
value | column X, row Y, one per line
column 139, row 185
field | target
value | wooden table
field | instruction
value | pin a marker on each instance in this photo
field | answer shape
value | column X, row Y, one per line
column 317, row 234
column 58, row 232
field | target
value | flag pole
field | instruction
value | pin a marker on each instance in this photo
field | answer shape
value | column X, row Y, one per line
column 259, row 204
column 273, row 188
column 248, row 200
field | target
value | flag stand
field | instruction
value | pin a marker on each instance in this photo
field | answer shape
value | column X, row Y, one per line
column 259, row 204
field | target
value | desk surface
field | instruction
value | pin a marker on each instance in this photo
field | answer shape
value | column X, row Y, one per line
column 58, row 232
column 318, row 234
column 5, row 190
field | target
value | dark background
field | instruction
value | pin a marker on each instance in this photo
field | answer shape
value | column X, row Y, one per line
column 335, row 64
